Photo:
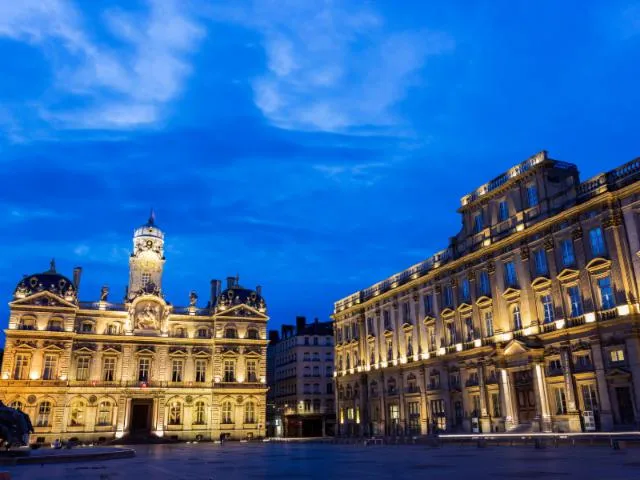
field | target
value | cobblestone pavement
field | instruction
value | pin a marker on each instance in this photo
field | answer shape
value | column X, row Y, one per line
column 327, row 461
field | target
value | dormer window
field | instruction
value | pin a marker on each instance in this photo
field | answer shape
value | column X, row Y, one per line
column 204, row 333
column 229, row 333
column 252, row 333
column 86, row 327
column 112, row 329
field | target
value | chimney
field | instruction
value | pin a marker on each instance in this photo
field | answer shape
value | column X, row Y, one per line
column 77, row 273
column 216, row 288
column 259, row 289
column 274, row 336
column 300, row 324
column 231, row 282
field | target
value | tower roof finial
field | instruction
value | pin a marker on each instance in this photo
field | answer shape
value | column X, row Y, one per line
column 52, row 265
column 152, row 218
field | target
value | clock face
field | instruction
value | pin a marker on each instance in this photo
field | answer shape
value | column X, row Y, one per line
column 149, row 244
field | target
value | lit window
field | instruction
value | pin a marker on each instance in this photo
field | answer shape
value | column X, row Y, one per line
column 177, row 368
column 606, row 293
column 575, row 301
column 250, row 413
column 252, row 371
column 517, row 318
column 227, row 412
column 532, row 195
column 143, row 369
column 597, row 242
column 43, row 418
column 229, row 371
column 561, row 401
column 510, row 276
column 76, row 419
column 175, row 413
column 568, row 257
column 488, row 322
column 198, row 413
column 201, row 370
column 547, row 308
column 105, row 414
column 617, row 355
column 540, row 258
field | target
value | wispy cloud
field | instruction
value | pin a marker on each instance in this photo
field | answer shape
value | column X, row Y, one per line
column 334, row 67
column 118, row 87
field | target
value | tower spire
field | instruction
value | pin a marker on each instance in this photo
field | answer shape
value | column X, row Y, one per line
column 152, row 218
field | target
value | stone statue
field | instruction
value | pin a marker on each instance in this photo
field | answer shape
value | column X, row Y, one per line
column 147, row 317
column 193, row 298
column 15, row 427
column 104, row 293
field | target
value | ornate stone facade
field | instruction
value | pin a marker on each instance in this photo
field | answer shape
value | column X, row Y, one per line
column 102, row 370
column 528, row 320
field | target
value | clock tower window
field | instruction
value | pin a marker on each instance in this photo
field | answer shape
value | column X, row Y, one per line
column 146, row 277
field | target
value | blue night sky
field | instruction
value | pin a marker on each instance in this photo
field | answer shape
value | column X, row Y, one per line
column 313, row 147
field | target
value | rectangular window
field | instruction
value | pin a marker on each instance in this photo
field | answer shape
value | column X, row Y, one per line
column 82, row 368
column 201, row 370
column 468, row 323
column 607, row 301
column 144, row 365
column 597, row 242
column 451, row 330
column 177, row 367
column 517, row 318
column 252, row 375
column 575, row 300
column 495, row 405
column 503, row 211
column 21, row 368
column 617, row 355
column 447, row 296
column 589, row 397
column 229, row 371
column 428, row 303
column 477, row 223
column 370, row 325
column 50, row 367
column 540, row 258
column 488, row 322
column 510, row 276
column 568, row 257
column 406, row 313
column 485, row 284
column 109, row 369
column 387, row 320
column 532, row 195
column 561, row 401
column 465, row 290
column 547, row 308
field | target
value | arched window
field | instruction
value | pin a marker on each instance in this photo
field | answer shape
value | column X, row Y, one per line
column 391, row 386
column 43, row 419
column 78, row 410
column 105, row 413
column 202, row 332
column 112, row 329
column 179, row 332
column 517, row 319
column 17, row 404
column 252, row 334
column 250, row 413
column 227, row 412
column 198, row 413
column 27, row 323
column 230, row 332
column 86, row 327
column 54, row 325
column 175, row 413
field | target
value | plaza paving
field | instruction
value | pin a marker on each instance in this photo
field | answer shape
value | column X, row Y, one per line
column 326, row 461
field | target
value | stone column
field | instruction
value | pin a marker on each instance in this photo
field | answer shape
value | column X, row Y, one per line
column 485, row 421
column 570, row 389
column 604, row 402
column 506, row 399
column 633, row 351
column 542, row 398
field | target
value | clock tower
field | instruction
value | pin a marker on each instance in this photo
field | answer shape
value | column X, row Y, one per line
column 147, row 260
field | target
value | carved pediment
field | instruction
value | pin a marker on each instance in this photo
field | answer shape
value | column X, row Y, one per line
column 48, row 345
column 240, row 310
column 447, row 312
column 541, row 283
column 618, row 372
column 599, row 265
column 201, row 351
column 43, row 299
column 87, row 347
column 464, row 307
column 252, row 352
column 568, row 275
column 229, row 350
column 407, row 326
column 484, row 301
column 146, row 349
column 511, row 294
column 177, row 351
column 112, row 348
column 28, row 344
column 515, row 347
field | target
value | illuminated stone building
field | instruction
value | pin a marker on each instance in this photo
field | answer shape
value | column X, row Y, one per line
column 99, row 370
column 528, row 320
column 300, row 379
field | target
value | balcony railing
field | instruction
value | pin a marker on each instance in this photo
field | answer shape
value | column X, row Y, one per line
column 472, row 382
column 608, row 314
column 576, row 321
column 412, row 389
column 549, row 327
column 554, row 372
column 583, row 367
